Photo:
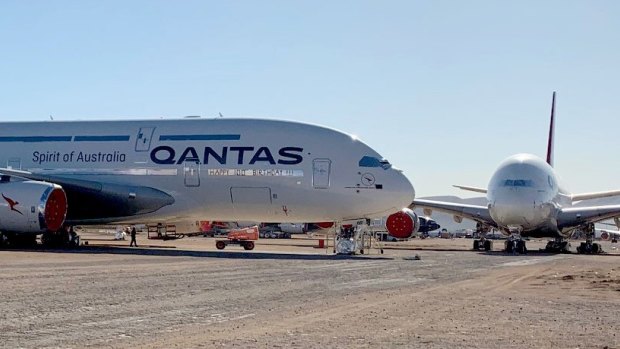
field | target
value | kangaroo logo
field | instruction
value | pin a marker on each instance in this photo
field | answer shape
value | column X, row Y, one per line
column 12, row 203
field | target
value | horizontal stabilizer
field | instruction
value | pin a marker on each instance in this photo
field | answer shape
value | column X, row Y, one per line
column 475, row 189
column 595, row 195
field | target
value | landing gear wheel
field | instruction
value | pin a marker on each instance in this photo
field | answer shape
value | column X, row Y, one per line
column 488, row 245
column 596, row 248
column 476, row 245
column 582, row 247
column 220, row 245
column 521, row 249
column 248, row 245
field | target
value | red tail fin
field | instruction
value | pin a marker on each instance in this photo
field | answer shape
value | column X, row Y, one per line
column 551, row 132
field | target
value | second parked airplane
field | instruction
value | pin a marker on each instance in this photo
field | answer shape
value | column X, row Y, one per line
column 524, row 198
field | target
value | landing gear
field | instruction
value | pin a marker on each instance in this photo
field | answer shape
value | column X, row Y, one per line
column 355, row 238
column 485, row 244
column 515, row 246
column 18, row 240
column 589, row 247
column 558, row 246
column 347, row 240
column 515, row 243
column 65, row 237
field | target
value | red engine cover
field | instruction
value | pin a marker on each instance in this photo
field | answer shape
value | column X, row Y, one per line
column 604, row 235
column 325, row 225
column 55, row 209
column 31, row 207
column 402, row 224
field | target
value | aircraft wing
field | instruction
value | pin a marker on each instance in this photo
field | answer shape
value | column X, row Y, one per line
column 574, row 216
column 474, row 189
column 100, row 202
column 473, row 212
column 595, row 195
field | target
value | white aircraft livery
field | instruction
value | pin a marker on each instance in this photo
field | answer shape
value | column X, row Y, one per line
column 56, row 174
column 525, row 198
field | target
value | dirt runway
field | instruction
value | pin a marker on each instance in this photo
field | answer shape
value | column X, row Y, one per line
column 290, row 295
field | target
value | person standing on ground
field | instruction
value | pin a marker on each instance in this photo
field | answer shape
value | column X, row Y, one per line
column 133, row 237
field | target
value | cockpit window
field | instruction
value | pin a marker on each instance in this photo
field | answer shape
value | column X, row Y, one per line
column 370, row 161
column 518, row 183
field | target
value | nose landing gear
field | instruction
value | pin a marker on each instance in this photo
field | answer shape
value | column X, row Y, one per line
column 354, row 238
column 515, row 243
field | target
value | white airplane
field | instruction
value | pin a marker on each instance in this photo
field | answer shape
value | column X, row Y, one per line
column 525, row 199
column 56, row 174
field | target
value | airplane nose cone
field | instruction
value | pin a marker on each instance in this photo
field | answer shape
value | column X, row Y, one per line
column 405, row 193
column 516, row 210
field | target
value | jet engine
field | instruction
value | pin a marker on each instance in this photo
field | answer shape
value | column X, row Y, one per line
column 31, row 207
column 402, row 224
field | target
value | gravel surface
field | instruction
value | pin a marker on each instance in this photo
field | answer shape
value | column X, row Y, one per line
column 286, row 294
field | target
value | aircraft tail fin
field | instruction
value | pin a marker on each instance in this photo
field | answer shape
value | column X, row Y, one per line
column 551, row 133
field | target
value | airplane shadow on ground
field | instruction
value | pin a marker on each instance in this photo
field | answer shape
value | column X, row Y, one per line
column 141, row 251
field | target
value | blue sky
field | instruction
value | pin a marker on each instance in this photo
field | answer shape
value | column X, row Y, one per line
column 443, row 89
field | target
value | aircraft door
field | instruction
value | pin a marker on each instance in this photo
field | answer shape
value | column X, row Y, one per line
column 251, row 200
column 143, row 140
column 320, row 173
column 192, row 175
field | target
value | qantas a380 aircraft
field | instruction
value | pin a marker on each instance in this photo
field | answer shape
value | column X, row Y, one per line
column 525, row 199
column 57, row 174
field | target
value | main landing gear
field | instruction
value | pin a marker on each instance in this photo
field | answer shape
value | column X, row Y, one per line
column 588, row 246
column 13, row 240
column 65, row 237
column 481, row 242
column 558, row 245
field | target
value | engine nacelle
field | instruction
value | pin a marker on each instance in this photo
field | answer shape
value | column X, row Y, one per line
column 31, row 207
column 427, row 224
column 402, row 224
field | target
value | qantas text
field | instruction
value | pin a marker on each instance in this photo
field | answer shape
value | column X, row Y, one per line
column 166, row 155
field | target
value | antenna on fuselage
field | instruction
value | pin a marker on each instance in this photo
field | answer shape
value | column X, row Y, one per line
column 551, row 132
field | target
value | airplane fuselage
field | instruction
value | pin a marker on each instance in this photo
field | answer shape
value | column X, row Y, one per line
column 214, row 169
column 524, row 195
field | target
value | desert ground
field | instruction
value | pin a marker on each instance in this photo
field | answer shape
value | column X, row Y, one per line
column 289, row 294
